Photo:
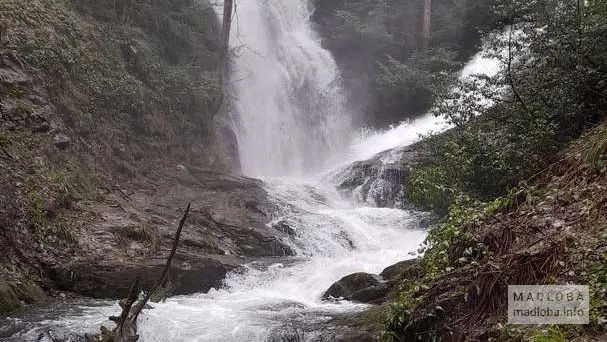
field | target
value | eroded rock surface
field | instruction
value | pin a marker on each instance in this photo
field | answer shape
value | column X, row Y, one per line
column 132, row 232
column 84, row 210
column 381, row 181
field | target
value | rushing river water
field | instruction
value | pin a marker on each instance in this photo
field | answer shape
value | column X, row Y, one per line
column 288, row 110
column 335, row 237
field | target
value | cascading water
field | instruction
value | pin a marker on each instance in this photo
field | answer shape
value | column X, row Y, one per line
column 286, row 96
column 273, row 297
column 287, row 102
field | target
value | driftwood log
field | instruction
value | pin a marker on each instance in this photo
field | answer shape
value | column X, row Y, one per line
column 126, row 323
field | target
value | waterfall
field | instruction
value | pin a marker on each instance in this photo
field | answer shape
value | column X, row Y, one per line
column 285, row 92
column 287, row 106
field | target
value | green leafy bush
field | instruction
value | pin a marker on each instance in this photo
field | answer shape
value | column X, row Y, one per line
column 378, row 44
column 553, row 76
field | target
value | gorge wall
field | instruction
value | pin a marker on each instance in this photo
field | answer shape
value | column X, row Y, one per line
column 107, row 130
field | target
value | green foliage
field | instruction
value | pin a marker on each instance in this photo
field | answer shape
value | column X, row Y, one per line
column 4, row 139
column 550, row 90
column 419, row 81
column 595, row 151
column 473, row 160
column 36, row 213
column 595, row 276
column 457, row 244
column 400, row 312
column 378, row 44
column 11, row 90
column 553, row 334
column 123, row 71
column 451, row 243
column 60, row 184
column 427, row 189
column 65, row 231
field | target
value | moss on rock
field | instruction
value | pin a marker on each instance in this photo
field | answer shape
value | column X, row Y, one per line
column 8, row 299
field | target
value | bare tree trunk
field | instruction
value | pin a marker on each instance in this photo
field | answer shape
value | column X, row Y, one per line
column 510, row 74
column 426, row 27
column 228, row 8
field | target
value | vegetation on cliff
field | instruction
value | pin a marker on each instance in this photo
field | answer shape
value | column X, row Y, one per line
column 374, row 40
column 521, row 193
column 553, row 77
column 97, row 98
column 551, row 232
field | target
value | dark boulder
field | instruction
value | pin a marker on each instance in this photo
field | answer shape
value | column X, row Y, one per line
column 404, row 270
column 113, row 280
column 283, row 226
column 62, row 141
column 358, row 287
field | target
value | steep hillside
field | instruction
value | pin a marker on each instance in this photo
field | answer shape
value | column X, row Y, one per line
column 107, row 129
column 552, row 231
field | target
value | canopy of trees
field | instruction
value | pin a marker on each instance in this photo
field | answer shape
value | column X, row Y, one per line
column 379, row 46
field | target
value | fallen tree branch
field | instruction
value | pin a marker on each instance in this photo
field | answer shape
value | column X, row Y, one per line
column 126, row 323
column 165, row 271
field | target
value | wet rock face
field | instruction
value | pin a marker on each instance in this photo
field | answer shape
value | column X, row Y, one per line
column 358, row 287
column 381, row 181
column 188, row 274
column 372, row 288
column 284, row 227
column 132, row 232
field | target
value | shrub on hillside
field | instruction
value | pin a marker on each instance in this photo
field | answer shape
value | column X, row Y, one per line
column 554, row 72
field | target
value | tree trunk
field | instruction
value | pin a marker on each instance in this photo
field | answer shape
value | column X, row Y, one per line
column 426, row 27
column 228, row 6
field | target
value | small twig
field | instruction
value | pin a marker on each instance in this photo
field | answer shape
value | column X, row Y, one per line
column 510, row 77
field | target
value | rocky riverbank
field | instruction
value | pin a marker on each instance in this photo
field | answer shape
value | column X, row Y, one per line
column 107, row 131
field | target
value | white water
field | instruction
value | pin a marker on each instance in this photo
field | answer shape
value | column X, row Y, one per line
column 333, row 238
column 288, row 106
column 272, row 297
column 410, row 131
column 287, row 100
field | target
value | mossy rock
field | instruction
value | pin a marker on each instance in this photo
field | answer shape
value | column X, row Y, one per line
column 404, row 270
column 358, row 287
column 28, row 292
column 8, row 299
column 15, row 294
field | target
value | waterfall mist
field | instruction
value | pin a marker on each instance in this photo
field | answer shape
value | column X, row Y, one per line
column 286, row 96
